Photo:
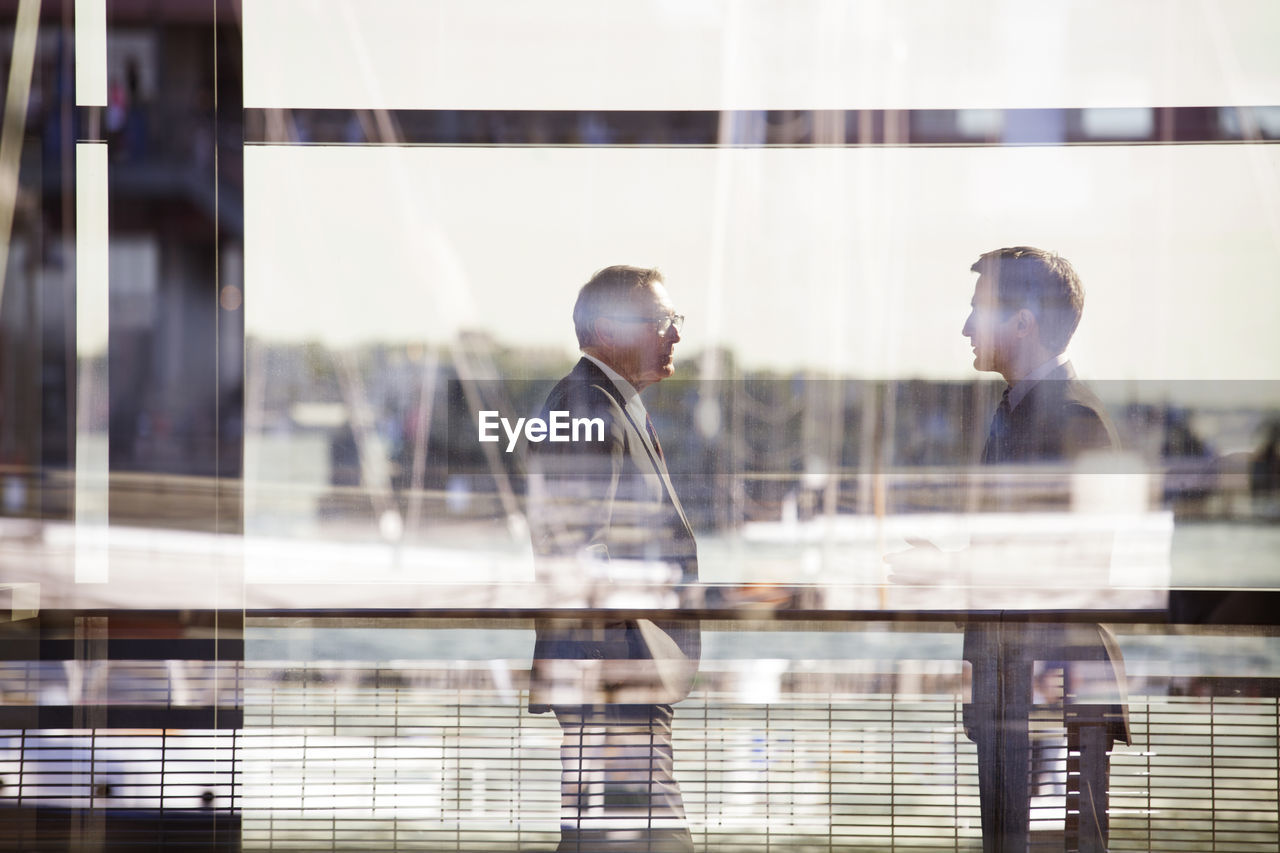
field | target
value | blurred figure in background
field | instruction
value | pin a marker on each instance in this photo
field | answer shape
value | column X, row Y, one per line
column 1264, row 468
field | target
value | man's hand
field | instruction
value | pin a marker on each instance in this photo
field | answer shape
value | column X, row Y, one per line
column 923, row 564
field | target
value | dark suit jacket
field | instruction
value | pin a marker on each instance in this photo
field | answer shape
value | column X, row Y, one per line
column 1058, row 419
column 602, row 509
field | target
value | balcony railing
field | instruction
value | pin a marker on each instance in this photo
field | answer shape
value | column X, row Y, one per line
column 408, row 730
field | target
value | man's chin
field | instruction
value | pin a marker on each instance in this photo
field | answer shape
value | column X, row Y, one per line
column 658, row 374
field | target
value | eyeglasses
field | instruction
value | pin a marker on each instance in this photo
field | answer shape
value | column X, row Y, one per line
column 664, row 323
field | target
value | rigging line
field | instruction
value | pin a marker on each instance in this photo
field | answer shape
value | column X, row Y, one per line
column 15, row 122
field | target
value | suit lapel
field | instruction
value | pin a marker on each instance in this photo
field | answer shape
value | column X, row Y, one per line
column 596, row 376
column 659, row 465
column 1016, row 442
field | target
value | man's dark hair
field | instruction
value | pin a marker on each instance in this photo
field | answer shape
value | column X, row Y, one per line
column 608, row 289
column 1042, row 282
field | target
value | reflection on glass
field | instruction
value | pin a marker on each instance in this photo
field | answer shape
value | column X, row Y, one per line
column 346, row 255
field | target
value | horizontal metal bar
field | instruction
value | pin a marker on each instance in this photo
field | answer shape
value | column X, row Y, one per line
column 120, row 717
column 725, row 614
column 755, row 128
column 126, row 622
column 135, row 648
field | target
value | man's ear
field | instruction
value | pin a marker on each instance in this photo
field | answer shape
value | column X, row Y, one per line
column 605, row 331
column 1025, row 324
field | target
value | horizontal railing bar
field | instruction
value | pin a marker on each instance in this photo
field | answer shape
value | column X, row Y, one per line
column 231, row 618
column 129, row 648
column 142, row 623
column 120, row 717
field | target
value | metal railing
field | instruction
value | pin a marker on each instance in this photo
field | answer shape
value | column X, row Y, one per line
column 360, row 730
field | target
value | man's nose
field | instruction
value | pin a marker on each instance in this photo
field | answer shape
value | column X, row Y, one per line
column 966, row 331
column 673, row 334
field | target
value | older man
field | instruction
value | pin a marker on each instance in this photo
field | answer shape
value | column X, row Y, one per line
column 602, row 511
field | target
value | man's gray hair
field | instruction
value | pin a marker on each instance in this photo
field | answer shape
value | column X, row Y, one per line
column 608, row 290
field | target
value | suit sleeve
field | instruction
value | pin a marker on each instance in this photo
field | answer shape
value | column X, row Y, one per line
column 574, row 486
column 1086, row 430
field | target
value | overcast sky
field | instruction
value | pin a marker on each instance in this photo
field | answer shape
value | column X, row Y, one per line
column 849, row 260
column 759, row 54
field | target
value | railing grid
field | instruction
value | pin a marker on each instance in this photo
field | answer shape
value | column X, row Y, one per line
column 443, row 755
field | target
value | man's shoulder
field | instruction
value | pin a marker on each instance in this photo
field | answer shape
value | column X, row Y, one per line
column 586, row 389
column 584, row 396
column 1068, row 407
column 1060, row 391
column 1078, row 400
